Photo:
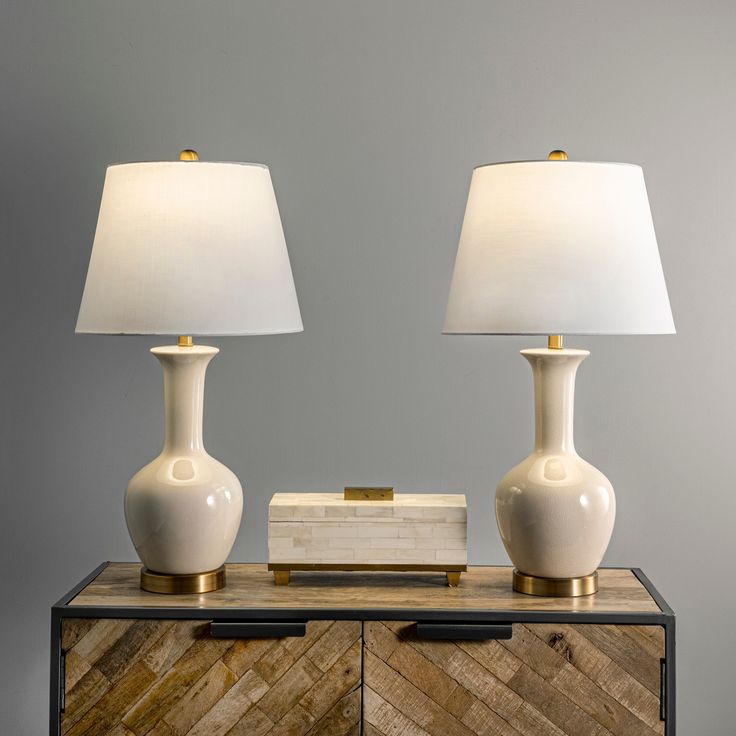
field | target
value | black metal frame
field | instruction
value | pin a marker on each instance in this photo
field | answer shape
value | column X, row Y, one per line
column 62, row 609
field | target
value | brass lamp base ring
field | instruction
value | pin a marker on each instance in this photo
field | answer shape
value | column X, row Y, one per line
column 556, row 587
column 201, row 582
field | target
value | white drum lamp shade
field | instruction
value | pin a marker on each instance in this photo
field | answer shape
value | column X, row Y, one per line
column 558, row 247
column 548, row 248
column 189, row 248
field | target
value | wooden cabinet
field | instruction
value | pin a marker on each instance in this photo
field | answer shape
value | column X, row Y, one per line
column 546, row 680
column 347, row 654
column 153, row 676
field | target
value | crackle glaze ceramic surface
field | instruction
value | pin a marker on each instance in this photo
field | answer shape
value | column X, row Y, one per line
column 183, row 509
column 555, row 511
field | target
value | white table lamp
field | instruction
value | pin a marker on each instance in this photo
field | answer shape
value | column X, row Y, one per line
column 548, row 248
column 187, row 248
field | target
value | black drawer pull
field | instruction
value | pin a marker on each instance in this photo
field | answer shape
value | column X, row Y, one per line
column 62, row 682
column 257, row 629
column 662, row 689
column 464, row 631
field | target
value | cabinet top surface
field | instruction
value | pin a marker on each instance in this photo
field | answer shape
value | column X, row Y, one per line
column 251, row 587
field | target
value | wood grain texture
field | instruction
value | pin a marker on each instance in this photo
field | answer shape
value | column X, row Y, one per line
column 170, row 678
column 251, row 586
column 547, row 680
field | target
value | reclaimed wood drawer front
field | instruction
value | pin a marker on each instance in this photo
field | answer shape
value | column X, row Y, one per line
column 130, row 677
column 546, row 680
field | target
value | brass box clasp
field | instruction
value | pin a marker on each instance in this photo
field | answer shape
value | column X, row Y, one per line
column 356, row 493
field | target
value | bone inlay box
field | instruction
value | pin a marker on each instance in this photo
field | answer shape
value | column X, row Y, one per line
column 323, row 530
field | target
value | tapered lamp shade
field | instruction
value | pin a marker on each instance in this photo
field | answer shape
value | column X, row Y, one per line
column 558, row 247
column 189, row 248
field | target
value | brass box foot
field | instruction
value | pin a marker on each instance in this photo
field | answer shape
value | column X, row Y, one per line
column 555, row 587
column 281, row 577
column 202, row 582
column 453, row 579
column 282, row 570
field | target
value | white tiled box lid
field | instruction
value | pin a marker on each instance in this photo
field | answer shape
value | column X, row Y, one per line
column 414, row 507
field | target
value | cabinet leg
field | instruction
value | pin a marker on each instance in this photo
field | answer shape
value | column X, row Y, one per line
column 453, row 579
column 281, row 577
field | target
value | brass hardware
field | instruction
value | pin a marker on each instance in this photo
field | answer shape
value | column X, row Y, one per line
column 188, row 154
column 282, row 570
column 203, row 582
column 555, row 342
column 355, row 493
column 453, row 579
column 281, row 577
column 557, row 155
column 555, row 587
column 185, row 341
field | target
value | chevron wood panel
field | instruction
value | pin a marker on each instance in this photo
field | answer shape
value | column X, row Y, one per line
column 171, row 678
column 547, row 680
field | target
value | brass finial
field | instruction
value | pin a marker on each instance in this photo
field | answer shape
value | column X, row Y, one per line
column 189, row 154
column 557, row 155
column 185, row 341
column 554, row 342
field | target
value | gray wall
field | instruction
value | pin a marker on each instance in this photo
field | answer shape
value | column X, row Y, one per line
column 371, row 116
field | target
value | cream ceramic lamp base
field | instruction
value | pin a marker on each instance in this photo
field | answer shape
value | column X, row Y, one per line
column 554, row 510
column 183, row 509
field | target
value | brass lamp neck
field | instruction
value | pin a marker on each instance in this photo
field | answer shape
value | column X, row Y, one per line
column 185, row 341
column 554, row 342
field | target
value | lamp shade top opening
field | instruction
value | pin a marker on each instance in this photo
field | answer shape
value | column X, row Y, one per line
column 558, row 247
column 189, row 248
